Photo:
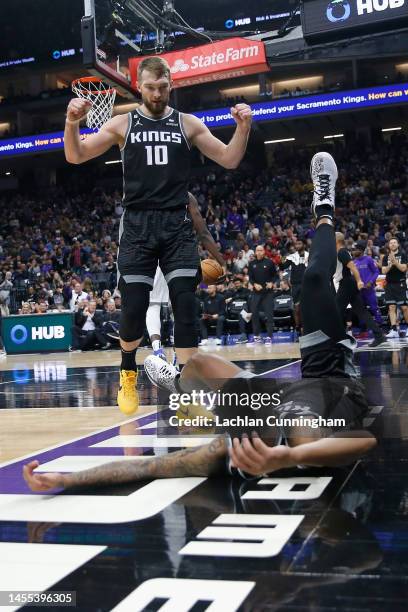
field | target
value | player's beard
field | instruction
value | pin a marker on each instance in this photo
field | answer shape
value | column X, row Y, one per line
column 156, row 108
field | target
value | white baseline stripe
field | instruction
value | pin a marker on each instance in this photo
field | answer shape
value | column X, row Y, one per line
column 76, row 463
column 137, row 441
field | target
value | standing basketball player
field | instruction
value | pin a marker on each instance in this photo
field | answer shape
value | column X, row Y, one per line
column 160, row 292
column 394, row 266
column 155, row 142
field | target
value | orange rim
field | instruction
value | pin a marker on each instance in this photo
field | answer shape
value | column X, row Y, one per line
column 93, row 79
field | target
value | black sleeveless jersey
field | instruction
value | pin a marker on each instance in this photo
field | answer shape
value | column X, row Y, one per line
column 156, row 162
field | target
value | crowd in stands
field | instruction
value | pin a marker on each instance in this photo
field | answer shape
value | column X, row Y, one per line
column 56, row 242
column 193, row 103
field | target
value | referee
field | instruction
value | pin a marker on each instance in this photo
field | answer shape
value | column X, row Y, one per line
column 350, row 285
column 262, row 276
column 394, row 266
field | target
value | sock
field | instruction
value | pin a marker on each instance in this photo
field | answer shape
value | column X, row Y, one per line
column 128, row 360
column 324, row 210
column 156, row 345
column 394, row 327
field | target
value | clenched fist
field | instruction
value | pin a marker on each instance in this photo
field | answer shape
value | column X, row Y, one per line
column 242, row 115
column 78, row 109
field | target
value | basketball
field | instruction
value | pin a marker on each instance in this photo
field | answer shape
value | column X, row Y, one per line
column 211, row 271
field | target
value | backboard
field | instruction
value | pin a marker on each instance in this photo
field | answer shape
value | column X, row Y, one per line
column 109, row 31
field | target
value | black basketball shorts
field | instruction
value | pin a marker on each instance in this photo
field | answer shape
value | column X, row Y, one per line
column 396, row 293
column 148, row 238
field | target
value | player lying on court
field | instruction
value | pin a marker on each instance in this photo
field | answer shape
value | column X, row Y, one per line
column 328, row 387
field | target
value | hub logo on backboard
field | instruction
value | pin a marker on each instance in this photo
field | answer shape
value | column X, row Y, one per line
column 338, row 10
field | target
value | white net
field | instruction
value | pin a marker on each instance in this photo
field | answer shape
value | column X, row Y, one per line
column 102, row 97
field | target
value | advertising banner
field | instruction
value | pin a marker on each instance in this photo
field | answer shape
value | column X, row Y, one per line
column 331, row 16
column 224, row 59
column 37, row 333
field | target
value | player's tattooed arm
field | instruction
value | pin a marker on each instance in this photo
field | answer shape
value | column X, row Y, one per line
column 200, row 461
column 202, row 231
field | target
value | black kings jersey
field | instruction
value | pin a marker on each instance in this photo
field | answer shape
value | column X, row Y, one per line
column 156, row 162
column 395, row 275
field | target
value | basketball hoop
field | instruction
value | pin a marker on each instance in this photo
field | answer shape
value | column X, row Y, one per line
column 102, row 97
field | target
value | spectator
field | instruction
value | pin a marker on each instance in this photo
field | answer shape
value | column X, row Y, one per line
column 109, row 334
column 25, row 309
column 5, row 288
column 78, row 295
column 213, row 311
column 58, row 299
column 238, row 303
column 87, row 333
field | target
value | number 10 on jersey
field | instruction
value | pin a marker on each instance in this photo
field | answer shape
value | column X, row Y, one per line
column 157, row 155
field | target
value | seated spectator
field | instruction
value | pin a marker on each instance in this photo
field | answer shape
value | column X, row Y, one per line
column 239, row 263
column 109, row 334
column 41, row 307
column 86, row 332
column 25, row 309
column 238, row 303
column 213, row 311
column 58, row 300
column 78, row 295
column 105, row 298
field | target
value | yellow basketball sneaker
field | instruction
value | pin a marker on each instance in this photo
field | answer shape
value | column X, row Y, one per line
column 128, row 397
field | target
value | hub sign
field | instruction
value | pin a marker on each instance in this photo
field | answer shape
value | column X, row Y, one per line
column 37, row 333
column 330, row 16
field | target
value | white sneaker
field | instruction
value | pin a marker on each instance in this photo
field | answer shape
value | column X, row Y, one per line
column 161, row 373
column 323, row 171
column 218, row 341
column 392, row 334
column 203, row 342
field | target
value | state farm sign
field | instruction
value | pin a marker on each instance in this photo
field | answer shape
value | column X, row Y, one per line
column 221, row 60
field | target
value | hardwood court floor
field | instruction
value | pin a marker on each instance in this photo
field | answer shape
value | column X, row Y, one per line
column 56, row 397
column 313, row 540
